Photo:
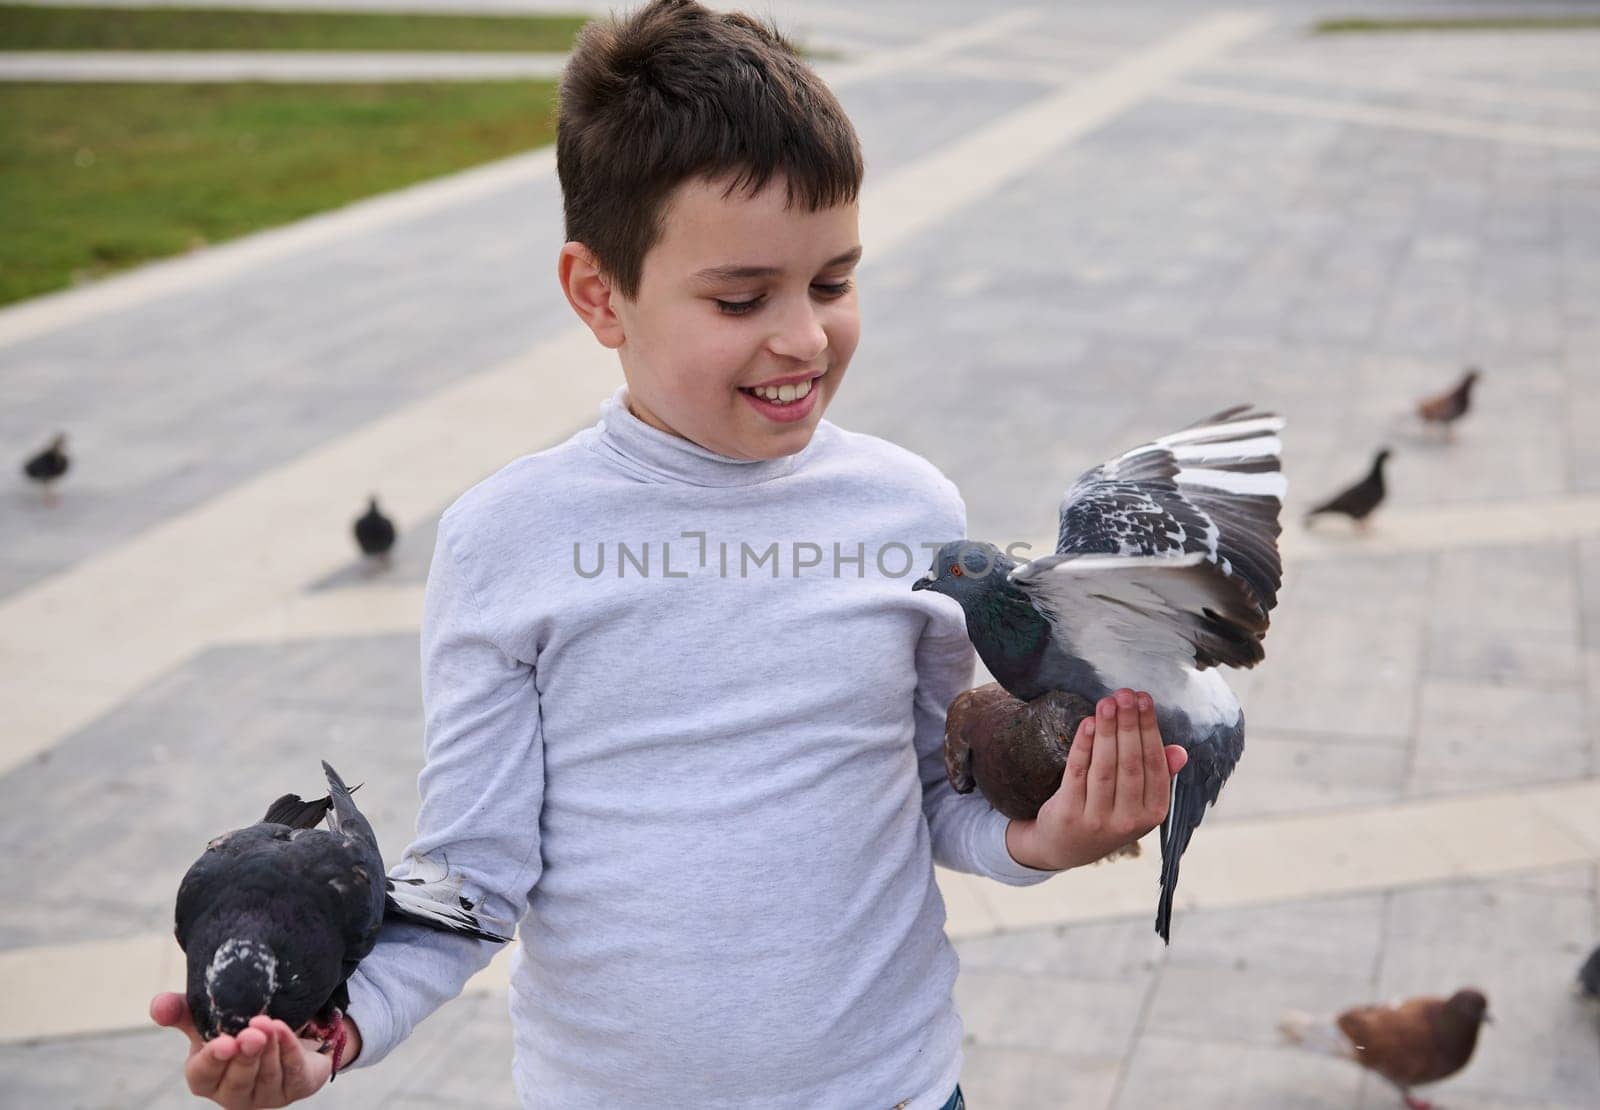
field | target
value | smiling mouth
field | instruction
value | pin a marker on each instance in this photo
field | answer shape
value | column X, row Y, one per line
column 786, row 394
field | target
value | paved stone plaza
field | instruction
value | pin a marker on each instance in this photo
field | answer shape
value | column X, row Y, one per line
column 1083, row 227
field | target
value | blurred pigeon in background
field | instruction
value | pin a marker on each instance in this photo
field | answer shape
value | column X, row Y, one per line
column 1410, row 1043
column 1166, row 567
column 375, row 533
column 1589, row 976
column 48, row 466
column 274, row 917
column 1359, row 500
column 1446, row 408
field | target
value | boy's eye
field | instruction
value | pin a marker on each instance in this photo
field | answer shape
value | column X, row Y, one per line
column 832, row 290
column 738, row 308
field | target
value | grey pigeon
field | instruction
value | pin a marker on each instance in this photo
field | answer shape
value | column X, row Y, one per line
column 1166, row 567
column 374, row 532
column 274, row 917
column 1359, row 500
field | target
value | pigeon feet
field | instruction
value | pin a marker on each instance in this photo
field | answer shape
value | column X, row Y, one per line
column 1415, row 1103
column 330, row 1032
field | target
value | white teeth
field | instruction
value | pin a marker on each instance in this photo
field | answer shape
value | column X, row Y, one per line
column 784, row 394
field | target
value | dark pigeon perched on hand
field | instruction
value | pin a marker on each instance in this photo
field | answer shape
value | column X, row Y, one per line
column 274, row 917
column 1166, row 567
column 375, row 533
column 1409, row 1043
column 1359, row 500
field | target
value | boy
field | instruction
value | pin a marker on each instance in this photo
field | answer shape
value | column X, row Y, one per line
column 709, row 781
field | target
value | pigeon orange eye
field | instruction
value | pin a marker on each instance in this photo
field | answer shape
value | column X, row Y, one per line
column 956, row 570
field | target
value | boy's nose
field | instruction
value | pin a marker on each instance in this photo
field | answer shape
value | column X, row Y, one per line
column 801, row 336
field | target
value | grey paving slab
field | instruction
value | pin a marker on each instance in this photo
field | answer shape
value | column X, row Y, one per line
column 1050, row 1013
column 1470, row 734
column 1019, row 1079
column 1165, row 1070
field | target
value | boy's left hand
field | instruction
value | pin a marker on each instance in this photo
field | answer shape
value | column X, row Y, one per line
column 1116, row 787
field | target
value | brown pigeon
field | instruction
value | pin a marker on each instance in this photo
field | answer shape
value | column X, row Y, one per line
column 1014, row 752
column 1409, row 1043
column 1448, row 407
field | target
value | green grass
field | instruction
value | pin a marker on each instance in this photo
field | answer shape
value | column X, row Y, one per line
column 1466, row 23
column 23, row 27
column 99, row 177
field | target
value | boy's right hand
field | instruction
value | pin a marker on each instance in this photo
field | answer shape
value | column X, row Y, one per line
column 266, row 1065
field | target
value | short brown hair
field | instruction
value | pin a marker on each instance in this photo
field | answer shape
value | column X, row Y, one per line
column 676, row 92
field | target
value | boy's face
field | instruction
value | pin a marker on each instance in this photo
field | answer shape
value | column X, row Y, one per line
column 741, row 291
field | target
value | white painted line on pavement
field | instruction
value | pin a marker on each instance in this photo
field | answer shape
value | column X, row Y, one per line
column 1405, row 119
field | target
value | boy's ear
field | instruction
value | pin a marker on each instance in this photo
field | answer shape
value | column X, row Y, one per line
column 589, row 293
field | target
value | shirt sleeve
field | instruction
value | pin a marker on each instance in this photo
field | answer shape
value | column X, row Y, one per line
column 482, row 784
column 968, row 833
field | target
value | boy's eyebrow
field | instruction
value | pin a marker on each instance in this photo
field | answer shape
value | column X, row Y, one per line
column 716, row 274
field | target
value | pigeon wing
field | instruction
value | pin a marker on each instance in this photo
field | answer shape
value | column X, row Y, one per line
column 1171, row 548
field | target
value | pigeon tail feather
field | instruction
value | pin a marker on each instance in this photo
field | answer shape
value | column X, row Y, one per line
column 1187, row 807
column 296, row 812
column 345, row 817
column 1315, row 1033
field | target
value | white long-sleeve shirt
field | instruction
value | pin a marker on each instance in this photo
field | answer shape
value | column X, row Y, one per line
column 684, row 721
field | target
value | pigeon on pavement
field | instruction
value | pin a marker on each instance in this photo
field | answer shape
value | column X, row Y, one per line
column 1359, row 500
column 1409, row 1043
column 1589, row 976
column 375, row 532
column 273, row 918
column 1446, row 408
column 48, row 465
column 1166, row 567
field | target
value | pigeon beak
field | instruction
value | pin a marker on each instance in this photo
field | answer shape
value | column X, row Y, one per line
column 924, row 583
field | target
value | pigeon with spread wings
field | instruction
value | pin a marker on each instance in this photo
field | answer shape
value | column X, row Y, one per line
column 1166, row 567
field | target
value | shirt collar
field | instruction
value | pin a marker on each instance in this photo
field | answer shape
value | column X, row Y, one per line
column 657, row 456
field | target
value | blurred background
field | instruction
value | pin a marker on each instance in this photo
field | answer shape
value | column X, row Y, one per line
column 261, row 263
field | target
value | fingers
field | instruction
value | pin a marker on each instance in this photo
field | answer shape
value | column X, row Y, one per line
column 1177, row 758
column 1075, row 779
column 238, row 1080
column 172, row 1011
column 206, row 1068
column 1101, row 793
column 1157, row 780
column 1130, row 760
column 292, row 1061
column 268, row 1089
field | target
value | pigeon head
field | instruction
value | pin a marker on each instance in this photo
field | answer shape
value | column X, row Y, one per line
column 1468, row 1007
column 965, row 569
column 240, row 983
column 1380, row 458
